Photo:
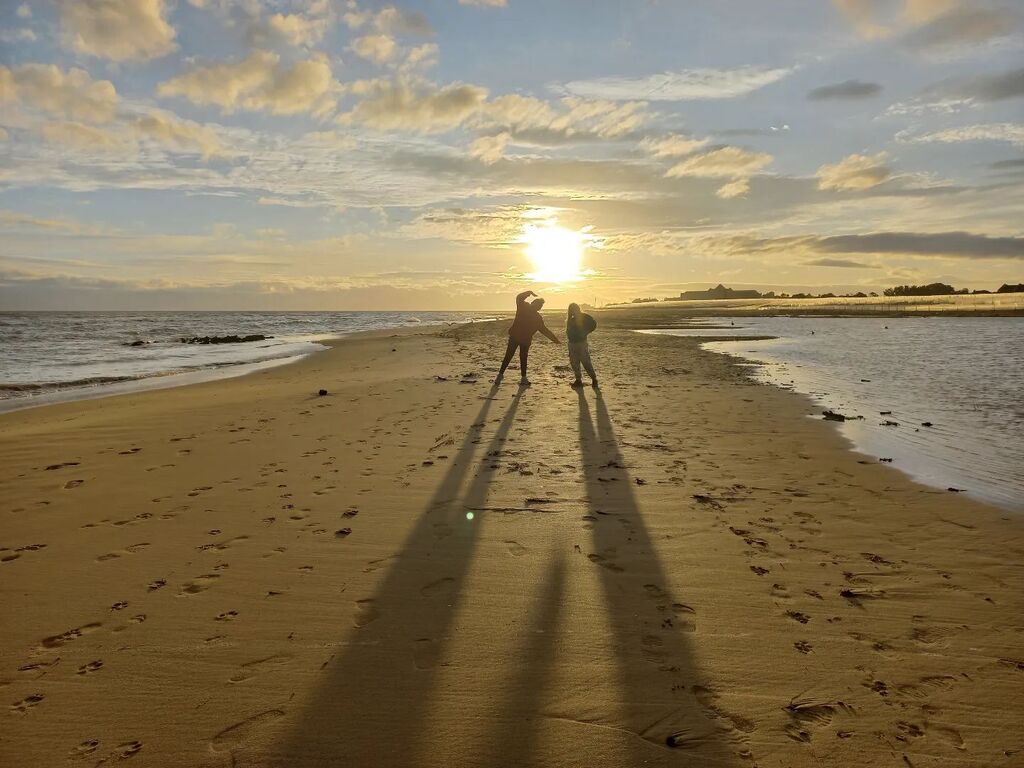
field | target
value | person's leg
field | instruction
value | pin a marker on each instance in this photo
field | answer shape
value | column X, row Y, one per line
column 509, row 351
column 574, row 361
column 524, row 359
column 585, row 359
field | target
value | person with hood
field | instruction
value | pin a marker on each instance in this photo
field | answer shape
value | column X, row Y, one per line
column 528, row 322
column 579, row 325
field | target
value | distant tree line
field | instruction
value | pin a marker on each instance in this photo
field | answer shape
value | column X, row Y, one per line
column 932, row 289
column 941, row 289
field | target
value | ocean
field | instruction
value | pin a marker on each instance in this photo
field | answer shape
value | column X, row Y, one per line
column 48, row 357
column 943, row 397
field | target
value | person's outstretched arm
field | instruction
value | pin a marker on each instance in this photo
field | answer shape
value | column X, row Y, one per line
column 547, row 332
column 522, row 297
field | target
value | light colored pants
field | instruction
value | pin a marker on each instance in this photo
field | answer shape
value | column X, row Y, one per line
column 579, row 352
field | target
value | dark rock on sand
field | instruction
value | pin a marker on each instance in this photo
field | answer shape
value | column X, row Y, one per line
column 926, row 424
column 232, row 339
column 322, row 393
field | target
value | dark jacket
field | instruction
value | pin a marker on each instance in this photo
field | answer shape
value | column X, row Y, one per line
column 577, row 329
column 528, row 322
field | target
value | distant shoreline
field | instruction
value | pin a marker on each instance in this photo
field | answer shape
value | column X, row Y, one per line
column 991, row 305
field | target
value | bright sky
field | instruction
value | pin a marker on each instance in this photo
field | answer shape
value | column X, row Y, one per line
column 445, row 154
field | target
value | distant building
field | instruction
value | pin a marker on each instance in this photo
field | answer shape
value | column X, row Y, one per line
column 718, row 292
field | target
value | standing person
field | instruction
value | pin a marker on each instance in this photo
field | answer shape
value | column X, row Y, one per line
column 528, row 321
column 579, row 325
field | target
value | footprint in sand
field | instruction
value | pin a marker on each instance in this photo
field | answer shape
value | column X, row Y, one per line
column 22, row 707
column 366, row 612
column 127, row 749
column 56, row 641
column 235, row 735
column 439, row 587
column 604, row 562
column 684, row 618
column 72, row 484
column 708, row 699
column 84, row 749
column 92, row 666
column 808, row 714
column 250, row 669
column 226, row 616
column 652, row 649
column 927, row 685
column 198, row 584
column 950, row 735
column 515, row 548
column 426, row 653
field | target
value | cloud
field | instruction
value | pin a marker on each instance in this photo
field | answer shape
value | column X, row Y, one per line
column 485, row 3
column 672, row 145
column 20, row 35
column 402, row 104
column 179, row 135
column 723, row 162
column 874, row 19
column 848, row 89
column 987, row 88
column 529, row 120
column 733, row 162
column 1017, row 162
column 72, row 94
column 489, row 149
column 949, row 244
column 292, row 28
column 379, row 49
column 491, row 227
column 120, row 30
column 737, row 188
column 963, row 26
column 86, row 137
column 390, row 21
column 259, row 83
column 845, row 263
column 683, row 85
column 854, row 172
column 398, row 21
column 1012, row 133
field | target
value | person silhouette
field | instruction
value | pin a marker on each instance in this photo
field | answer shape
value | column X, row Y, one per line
column 579, row 325
column 527, row 323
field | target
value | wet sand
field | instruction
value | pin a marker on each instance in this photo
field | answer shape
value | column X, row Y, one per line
column 421, row 569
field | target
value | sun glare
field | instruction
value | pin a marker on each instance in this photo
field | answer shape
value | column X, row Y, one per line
column 556, row 252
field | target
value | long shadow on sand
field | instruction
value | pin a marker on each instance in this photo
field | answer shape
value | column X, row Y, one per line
column 382, row 695
column 403, row 630
column 663, row 701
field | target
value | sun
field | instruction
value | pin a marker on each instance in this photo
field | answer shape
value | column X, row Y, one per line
column 556, row 252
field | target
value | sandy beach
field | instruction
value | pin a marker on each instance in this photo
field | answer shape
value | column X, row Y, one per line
column 423, row 569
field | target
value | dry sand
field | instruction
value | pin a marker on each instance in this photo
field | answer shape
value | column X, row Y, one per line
column 423, row 572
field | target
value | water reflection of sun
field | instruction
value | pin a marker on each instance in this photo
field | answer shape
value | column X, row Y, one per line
column 556, row 252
